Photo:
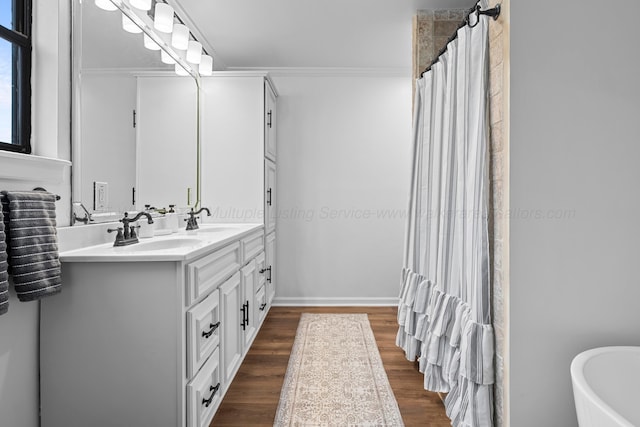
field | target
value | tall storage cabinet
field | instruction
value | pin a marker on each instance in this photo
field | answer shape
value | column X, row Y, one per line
column 239, row 162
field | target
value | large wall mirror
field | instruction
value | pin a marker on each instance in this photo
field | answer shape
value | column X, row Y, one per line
column 135, row 122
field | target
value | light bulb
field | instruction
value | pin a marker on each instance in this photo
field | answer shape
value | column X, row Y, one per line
column 166, row 58
column 163, row 18
column 180, row 37
column 181, row 71
column 194, row 52
column 150, row 44
column 106, row 5
column 206, row 66
column 141, row 4
column 130, row 26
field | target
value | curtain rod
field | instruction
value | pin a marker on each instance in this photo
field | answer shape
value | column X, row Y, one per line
column 493, row 12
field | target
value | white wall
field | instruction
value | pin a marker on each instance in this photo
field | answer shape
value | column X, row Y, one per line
column 19, row 391
column 343, row 163
column 575, row 104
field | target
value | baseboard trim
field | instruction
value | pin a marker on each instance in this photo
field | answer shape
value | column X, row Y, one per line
column 334, row 302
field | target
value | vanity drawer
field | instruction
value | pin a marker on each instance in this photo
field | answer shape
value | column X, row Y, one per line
column 209, row 272
column 203, row 393
column 261, row 303
column 252, row 245
column 203, row 332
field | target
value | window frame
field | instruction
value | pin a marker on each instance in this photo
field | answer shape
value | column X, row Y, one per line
column 20, row 38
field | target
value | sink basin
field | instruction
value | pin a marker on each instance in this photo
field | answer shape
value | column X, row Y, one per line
column 157, row 245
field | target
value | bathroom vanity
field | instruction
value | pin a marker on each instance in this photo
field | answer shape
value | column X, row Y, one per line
column 152, row 334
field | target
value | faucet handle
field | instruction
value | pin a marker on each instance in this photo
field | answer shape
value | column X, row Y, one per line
column 119, row 236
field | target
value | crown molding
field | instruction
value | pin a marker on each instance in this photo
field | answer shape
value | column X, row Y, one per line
column 329, row 71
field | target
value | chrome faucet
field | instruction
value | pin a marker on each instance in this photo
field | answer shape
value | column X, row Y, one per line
column 192, row 223
column 127, row 233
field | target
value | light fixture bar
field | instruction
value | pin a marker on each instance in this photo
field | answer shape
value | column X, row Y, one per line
column 187, row 60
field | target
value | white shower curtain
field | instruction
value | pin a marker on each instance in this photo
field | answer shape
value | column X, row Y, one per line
column 444, row 309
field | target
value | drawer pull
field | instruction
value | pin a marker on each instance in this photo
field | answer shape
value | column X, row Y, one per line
column 244, row 317
column 207, row 402
column 210, row 332
column 263, row 306
column 264, row 270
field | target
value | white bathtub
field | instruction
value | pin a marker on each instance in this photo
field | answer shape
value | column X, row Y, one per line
column 606, row 387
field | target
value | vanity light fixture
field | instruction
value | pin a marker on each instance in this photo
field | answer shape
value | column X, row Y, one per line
column 180, row 37
column 150, row 44
column 163, row 18
column 181, row 71
column 166, row 58
column 130, row 26
column 193, row 59
column 106, row 5
column 206, row 66
column 194, row 52
column 141, row 4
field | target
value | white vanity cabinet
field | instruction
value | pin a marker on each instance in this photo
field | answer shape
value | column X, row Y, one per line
column 155, row 342
column 239, row 161
column 238, row 120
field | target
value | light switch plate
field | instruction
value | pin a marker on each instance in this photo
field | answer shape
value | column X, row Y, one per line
column 100, row 195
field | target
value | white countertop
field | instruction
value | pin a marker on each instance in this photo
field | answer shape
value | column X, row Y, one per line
column 180, row 246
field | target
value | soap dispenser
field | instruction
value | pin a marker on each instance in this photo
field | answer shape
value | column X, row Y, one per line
column 172, row 219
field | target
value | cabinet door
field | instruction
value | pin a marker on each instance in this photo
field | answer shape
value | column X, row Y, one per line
column 231, row 340
column 270, row 253
column 270, row 208
column 249, row 275
column 270, row 122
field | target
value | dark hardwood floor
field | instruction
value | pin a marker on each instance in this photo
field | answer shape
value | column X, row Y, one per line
column 253, row 397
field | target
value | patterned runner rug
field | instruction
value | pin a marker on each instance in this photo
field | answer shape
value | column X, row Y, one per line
column 335, row 376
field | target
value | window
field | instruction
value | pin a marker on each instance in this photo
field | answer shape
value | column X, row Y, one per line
column 15, row 75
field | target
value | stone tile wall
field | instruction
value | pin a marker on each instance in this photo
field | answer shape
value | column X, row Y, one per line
column 499, row 199
column 432, row 30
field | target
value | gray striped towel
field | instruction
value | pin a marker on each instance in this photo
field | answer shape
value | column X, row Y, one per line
column 32, row 243
column 4, row 275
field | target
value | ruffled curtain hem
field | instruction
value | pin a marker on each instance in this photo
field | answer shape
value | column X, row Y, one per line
column 455, row 353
